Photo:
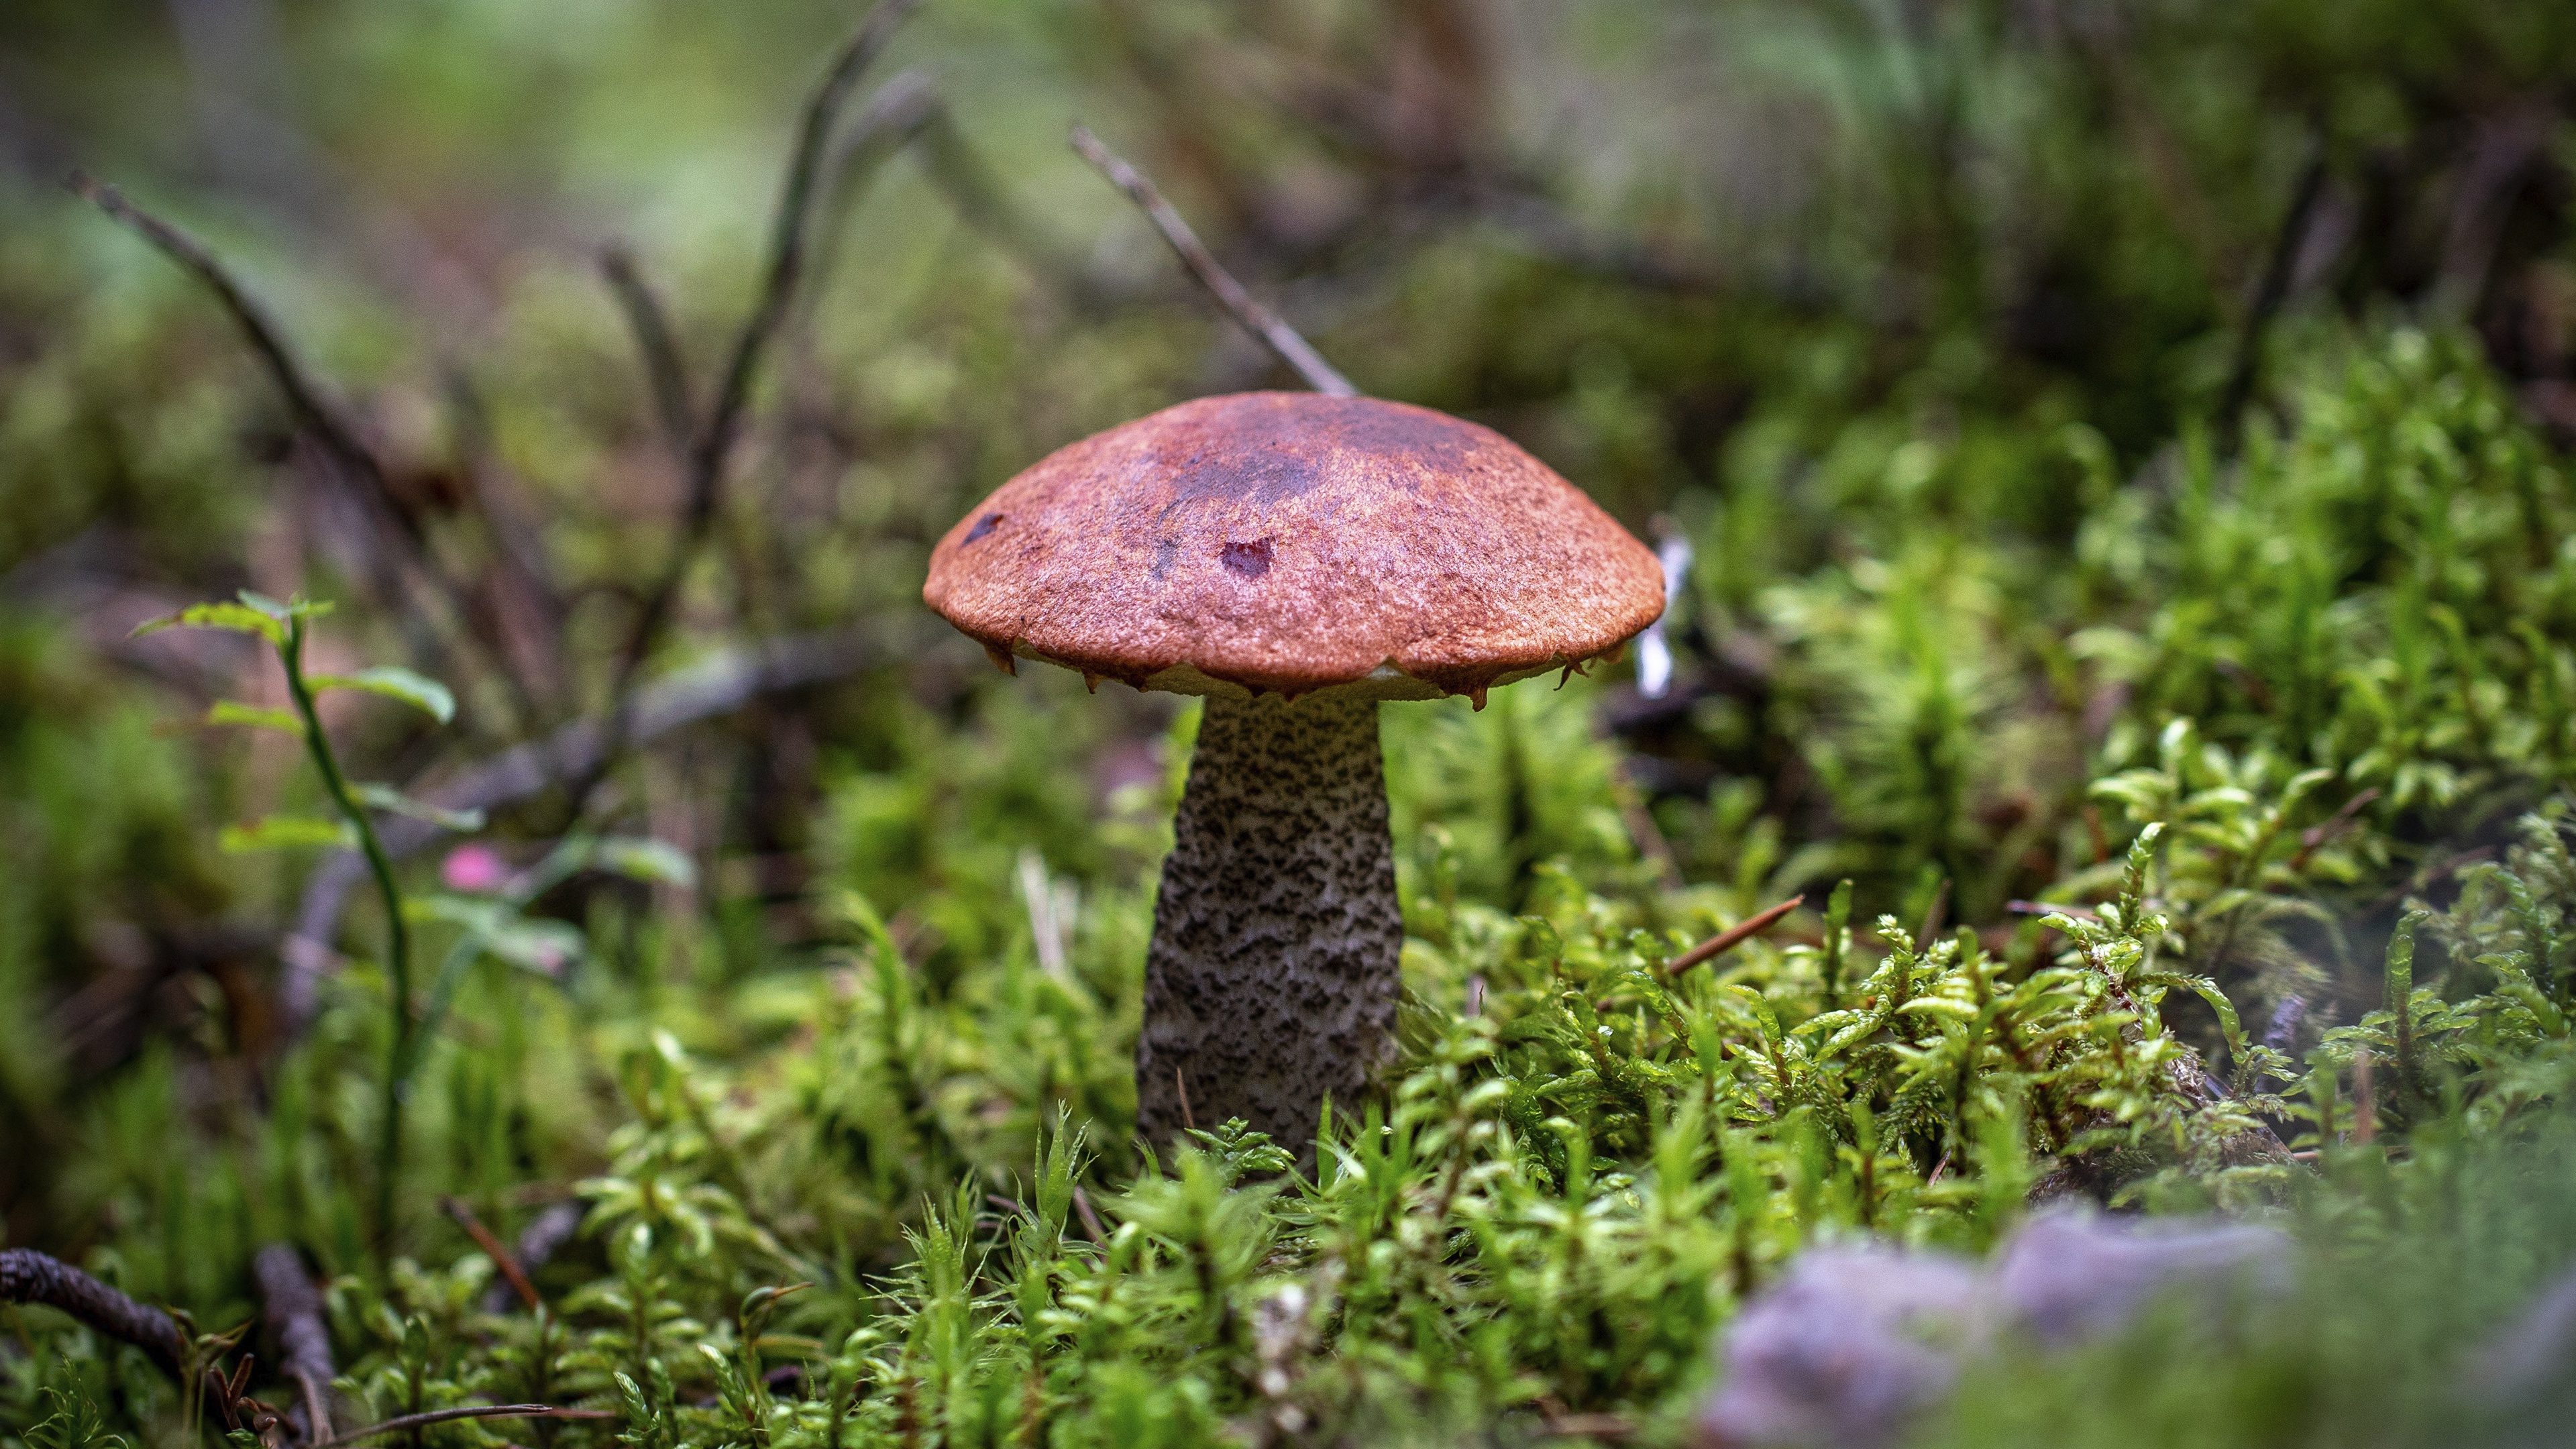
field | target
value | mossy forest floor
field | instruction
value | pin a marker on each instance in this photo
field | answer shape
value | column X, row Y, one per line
column 2165, row 718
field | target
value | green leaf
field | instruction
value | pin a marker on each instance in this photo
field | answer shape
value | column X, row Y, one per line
column 530, row 943
column 536, row 944
column 239, row 618
column 298, row 607
column 395, row 682
column 387, row 798
column 480, row 914
column 287, row 832
column 234, row 712
column 643, row 858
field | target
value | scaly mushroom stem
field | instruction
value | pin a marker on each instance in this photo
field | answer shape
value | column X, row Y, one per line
column 1272, row 980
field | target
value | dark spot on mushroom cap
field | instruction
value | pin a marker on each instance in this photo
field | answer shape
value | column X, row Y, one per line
column 1251, row 560
column 983, row 525
column 1165, row 550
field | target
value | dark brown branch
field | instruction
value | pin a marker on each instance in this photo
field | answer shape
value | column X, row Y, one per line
column 787, row 245
column 908, row 112
column 292, row 1308
column 712, row 447
column 1265, row 325
column 302, row 397
column 1733, row 936
column 27, row 1276
column 664, row 369
column 892, row 119
column 339, row 440
column 501, row 1257
column 469, row 1411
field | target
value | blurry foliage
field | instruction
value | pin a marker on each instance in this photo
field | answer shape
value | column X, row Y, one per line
column 2156, row 776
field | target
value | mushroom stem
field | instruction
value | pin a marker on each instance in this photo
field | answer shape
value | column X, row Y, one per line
column 1271, row 981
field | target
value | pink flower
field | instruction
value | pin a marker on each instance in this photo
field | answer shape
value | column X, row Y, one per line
column 474, row 869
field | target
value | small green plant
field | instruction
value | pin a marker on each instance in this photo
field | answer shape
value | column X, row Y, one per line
column 284, row 627
column 74, row 1423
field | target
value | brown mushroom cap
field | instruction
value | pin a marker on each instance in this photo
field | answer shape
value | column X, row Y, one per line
column 1295, row 542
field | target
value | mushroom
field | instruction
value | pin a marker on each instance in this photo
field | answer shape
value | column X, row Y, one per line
column 1295, row 558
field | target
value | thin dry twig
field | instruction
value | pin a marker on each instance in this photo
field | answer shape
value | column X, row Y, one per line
column 469, row 1411
column 324, row 421
column 292, row 1307
column 339, row 439
column 893, row 117
column 1265, row 325
column 1588, row 1426
column 665, row 371
column 543, row 1237
column 711, row 447
column 1564, row 1423
column 502, row 1259
column 1733, row 936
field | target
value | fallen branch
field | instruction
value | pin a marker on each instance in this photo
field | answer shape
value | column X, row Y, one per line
column 469, row 1411
column 27, row 1276
column 1733, row 936
column 292, row 1307
column 1264, row 324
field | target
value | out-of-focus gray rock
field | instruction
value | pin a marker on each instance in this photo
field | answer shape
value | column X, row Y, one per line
column 1854, row 1342
column 2534, row 1356
column 2069, row 1276
column 1846, row 1348
column 2522, row 1379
